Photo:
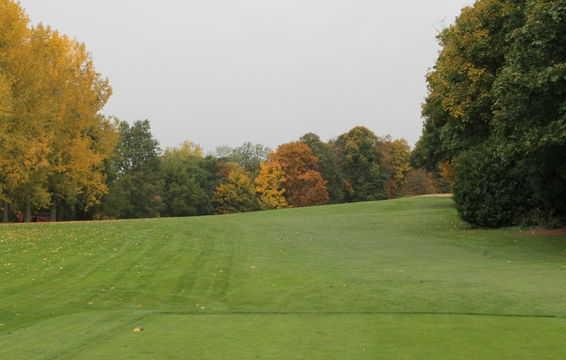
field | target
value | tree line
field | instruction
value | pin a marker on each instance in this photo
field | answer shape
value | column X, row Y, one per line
column 495, row 115
column 144, row 180
column 61, row 159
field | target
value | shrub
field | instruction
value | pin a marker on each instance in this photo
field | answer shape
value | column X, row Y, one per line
column 490, row 187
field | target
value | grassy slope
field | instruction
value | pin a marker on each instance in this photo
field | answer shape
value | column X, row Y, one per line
column 400, row 279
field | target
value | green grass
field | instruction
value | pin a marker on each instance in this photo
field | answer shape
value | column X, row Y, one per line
column 401, row 279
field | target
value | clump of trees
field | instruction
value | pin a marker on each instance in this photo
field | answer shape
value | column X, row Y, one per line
column 53, row 141
column 145, row 181
column 495, row 116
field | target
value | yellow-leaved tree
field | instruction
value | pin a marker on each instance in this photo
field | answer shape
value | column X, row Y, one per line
column 396, row 156
column 236, row 193
column 23, row 141
column 53, row 140
column 269, row 186
column 82, row 138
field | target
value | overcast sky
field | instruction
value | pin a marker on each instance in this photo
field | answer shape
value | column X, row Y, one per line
column 221, row 72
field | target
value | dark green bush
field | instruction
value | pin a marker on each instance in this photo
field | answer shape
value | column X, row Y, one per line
column 490, row 188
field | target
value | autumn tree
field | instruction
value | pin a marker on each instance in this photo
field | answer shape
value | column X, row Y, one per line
column 396, row 155
column 419, row 182
column 53, row 139
column 14, row 32
column 187, row 150
column 236, row 193
column 82, row 139
column 303, row 184
column 270, row 186
column 24, row 136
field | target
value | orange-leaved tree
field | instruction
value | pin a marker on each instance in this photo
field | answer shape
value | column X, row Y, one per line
column 303, row 184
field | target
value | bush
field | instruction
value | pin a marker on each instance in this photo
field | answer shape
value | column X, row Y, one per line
column 490, row 187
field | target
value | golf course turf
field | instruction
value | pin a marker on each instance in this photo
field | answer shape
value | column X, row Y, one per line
column 399, row 279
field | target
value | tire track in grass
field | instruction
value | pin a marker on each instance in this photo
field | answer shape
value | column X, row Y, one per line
column 100, row 266
column 187, row 280
column 217, row 270
column 206, row 279
column 158, row 265
column 222, row 279
column 172, row 269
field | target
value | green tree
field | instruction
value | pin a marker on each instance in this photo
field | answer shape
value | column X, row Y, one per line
column 188, row 181
column 134, row 174
column 458, row 109
column 530, row 108
column 361, row 164
column 495, row 111
column 329, row 167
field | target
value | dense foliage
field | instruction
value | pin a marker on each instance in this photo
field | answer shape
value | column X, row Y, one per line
column 496, row 111
column 134, row 176
column 53, row 140
column 361, row 161
column 303, row 181
column 236, row 193
column 61, row 159
column 144, row 181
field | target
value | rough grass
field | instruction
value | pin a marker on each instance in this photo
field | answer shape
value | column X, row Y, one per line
column 401, row 279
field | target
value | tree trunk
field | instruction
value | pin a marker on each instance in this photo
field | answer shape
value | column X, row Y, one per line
column 73, row 212
column 53, row 214
column 6, row 213
column 27, row 217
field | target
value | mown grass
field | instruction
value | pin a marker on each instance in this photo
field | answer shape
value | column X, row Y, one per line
column 401, row 279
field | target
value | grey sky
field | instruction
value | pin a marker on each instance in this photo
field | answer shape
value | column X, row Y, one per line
column 227, row 71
